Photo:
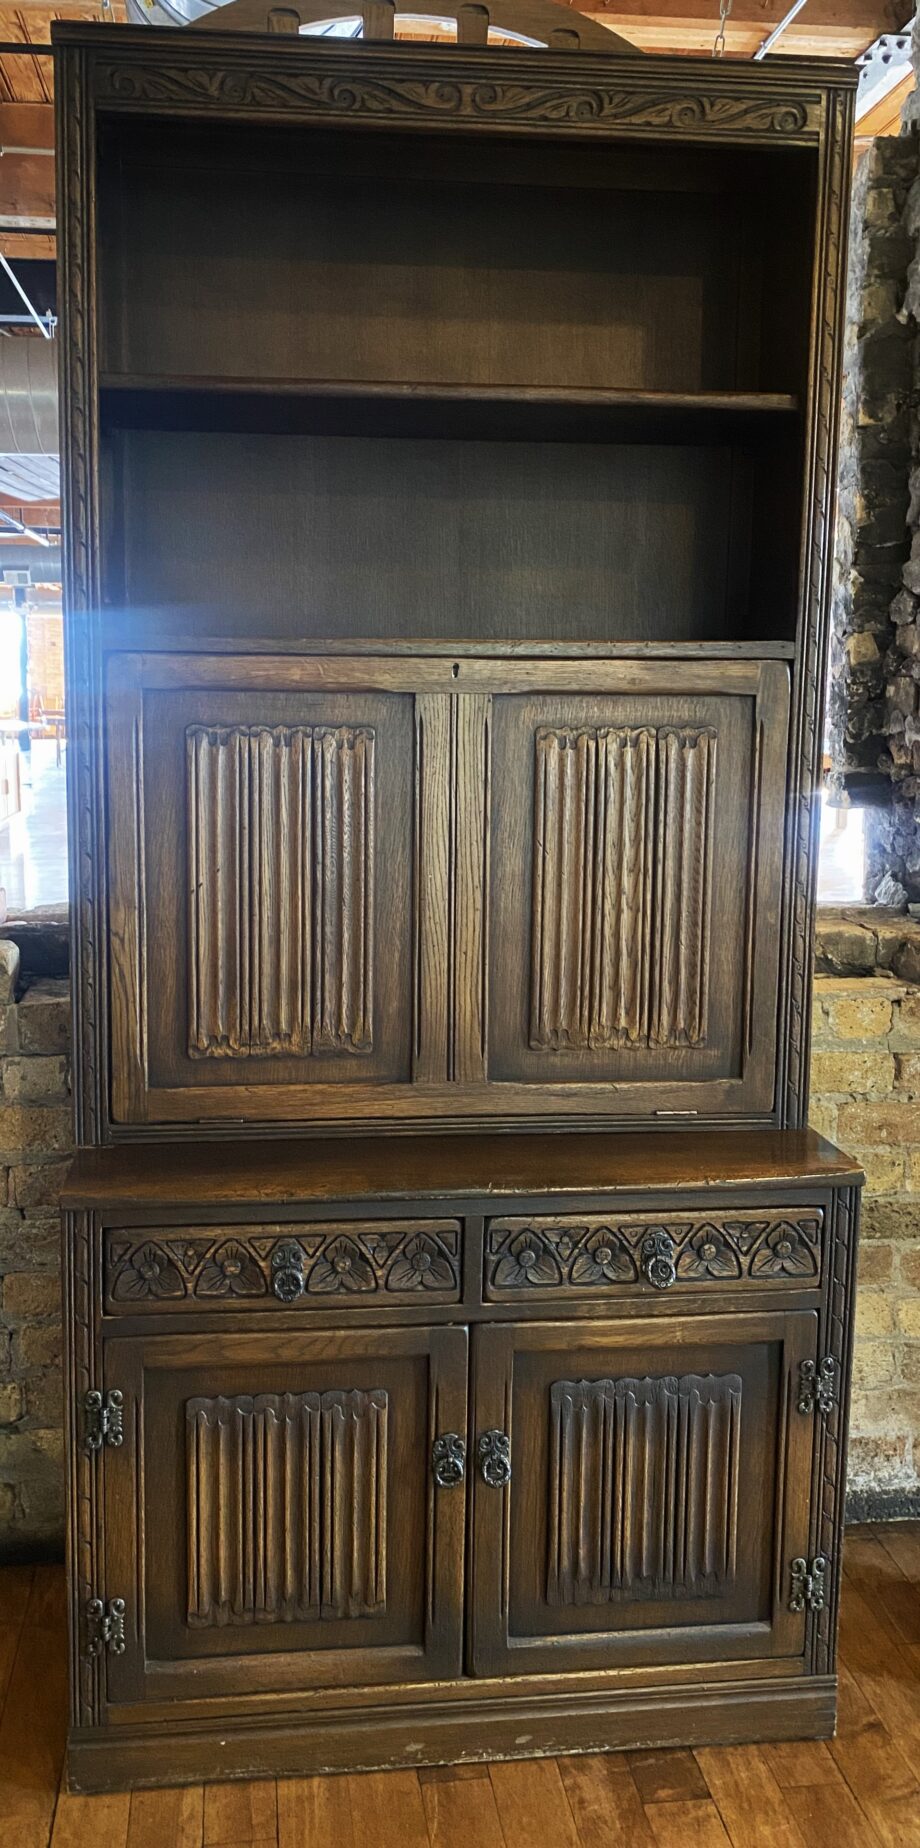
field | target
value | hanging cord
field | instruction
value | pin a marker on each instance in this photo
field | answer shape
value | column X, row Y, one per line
column 725, row 7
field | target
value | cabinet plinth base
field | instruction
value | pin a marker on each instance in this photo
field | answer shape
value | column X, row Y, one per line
column 733, row 1713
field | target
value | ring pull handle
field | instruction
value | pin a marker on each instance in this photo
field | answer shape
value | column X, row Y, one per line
column 448, row 1460
column 494, row 1456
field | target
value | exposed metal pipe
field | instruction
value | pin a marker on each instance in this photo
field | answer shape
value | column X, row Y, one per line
column 17, row 285
column 28, row 398
column 777, row 32
column 27, row 532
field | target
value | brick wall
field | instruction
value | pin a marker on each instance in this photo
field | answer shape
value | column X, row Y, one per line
column 35, row 1137
column 866, row 1093
column 866, row 1096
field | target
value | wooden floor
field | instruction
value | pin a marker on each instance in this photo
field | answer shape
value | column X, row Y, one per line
column 861, row 1790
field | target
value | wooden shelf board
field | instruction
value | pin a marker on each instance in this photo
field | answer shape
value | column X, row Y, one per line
column 428, row 408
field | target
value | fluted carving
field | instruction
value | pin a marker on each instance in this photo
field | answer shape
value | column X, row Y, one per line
column 643, row 1487
column 287, row 1507
column 621, row 887
column 281, row 875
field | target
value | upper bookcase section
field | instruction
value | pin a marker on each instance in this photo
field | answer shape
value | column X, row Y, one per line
column 369, row 262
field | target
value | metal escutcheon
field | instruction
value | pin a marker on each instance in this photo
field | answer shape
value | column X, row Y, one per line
column 448, row 1460
column 494, row 1453
column 658, row 1266
column 288, row 1281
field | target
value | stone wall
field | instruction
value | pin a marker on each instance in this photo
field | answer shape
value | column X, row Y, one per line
column 866, row 1092
column 874, row 698
column 35, row 1137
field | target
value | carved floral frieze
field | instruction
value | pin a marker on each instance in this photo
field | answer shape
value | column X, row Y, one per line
column 231, row 1264
column 596, row 1253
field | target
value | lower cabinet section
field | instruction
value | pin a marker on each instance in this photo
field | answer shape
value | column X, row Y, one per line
column 288, row 1512
column 357, row 1484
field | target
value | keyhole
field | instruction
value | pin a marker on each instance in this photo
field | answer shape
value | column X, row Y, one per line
column 455, row 669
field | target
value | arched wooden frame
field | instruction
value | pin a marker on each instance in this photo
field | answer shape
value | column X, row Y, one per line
column 556, row 26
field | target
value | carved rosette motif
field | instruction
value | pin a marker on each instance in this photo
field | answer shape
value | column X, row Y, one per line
column 281, row 889
column 287, row 1507
column 234, row 1264
column 622, row 886
column 643, row 1488
column 346, row 93
column 529, row 1255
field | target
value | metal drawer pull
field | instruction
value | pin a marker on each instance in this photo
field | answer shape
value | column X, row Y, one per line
column 494, row 1452
column 658, row 1267
column 448, row 1460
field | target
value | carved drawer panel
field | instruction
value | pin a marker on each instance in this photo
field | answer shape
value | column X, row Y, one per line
column 347, row 1263
column 571, row 1256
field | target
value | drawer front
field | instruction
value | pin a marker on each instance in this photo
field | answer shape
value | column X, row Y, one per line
column 353, row 1263
column 569, row 1257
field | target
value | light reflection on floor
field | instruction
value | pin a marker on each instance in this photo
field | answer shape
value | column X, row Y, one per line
column 33, row 844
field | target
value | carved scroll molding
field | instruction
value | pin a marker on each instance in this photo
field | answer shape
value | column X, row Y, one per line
column 80, row 500
column 831, row 1440
column 287, row 1507
column 281, row 890
column 80, row 1283
column 643, row 1488
column 622, row 887
column 587, row 99
column 210, row 1266
column 573, row 1255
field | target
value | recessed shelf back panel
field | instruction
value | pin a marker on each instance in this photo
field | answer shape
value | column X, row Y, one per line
column 332, row 261
column 331, row 536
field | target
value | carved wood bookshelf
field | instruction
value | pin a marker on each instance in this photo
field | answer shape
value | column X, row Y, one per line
column 458, row 1309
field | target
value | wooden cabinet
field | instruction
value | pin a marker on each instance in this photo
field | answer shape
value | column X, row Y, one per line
column 368, row 888
column 534, row 1444
column 458, row 1311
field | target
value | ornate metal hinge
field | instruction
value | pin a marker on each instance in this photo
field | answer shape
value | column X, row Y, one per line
column 448, row 1460
column 807, row 1591
column 658, row 1267
column 494, row 1451
column 818, row 1385
column 103, row 1421
column 105, row 1626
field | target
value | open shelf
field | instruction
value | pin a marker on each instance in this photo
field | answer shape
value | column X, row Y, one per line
column 527, row 413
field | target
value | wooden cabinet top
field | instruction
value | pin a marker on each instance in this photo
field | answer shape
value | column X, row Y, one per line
column 280, row 1171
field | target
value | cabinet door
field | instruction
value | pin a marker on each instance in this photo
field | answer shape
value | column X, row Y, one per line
column 659, row 1490
column 272, row 1519
column 260, row 859
column 636, row 854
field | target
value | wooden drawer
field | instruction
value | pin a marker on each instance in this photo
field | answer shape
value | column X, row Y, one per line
column 571, row 1256
column 341, row 1263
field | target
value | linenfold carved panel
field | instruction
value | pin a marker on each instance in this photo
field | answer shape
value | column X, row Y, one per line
column 643, row 1487
column 281, row 889
column 622, row 886
column 287, row 1507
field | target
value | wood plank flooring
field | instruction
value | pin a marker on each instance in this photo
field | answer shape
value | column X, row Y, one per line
column 861, row 1790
